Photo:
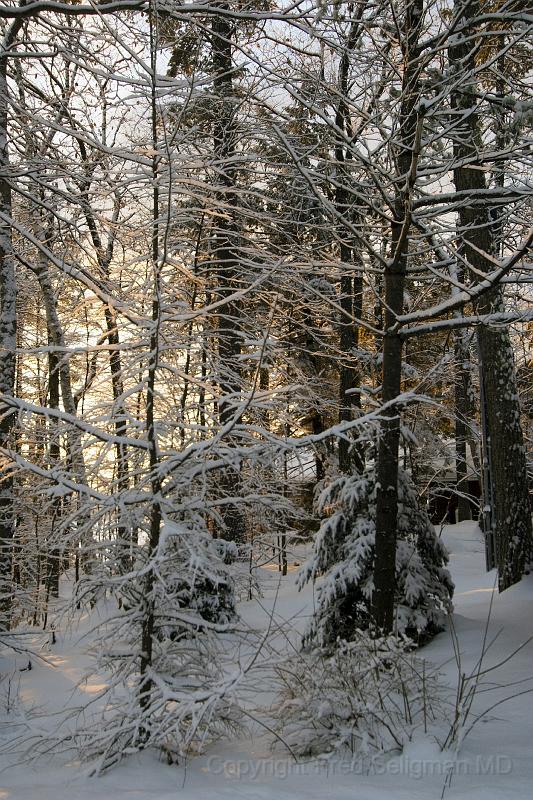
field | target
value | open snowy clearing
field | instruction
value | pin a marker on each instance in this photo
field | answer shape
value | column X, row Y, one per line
column 495, row 761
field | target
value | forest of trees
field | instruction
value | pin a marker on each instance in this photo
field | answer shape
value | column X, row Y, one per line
column 265, row 277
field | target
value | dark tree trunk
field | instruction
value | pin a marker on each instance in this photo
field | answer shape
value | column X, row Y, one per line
column 462, row 405
column 350, row 456
column 351, row 285
column 409, row 133
column 53, row 569
column 148, row 610
column 104, row 255
column 60, row 377
column 226, row 263
column 8, row 339
column 511, row 512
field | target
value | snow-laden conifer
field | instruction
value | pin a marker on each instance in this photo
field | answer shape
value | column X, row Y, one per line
column 343, row 556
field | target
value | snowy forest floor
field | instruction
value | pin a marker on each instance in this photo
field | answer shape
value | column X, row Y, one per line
column 495, row 760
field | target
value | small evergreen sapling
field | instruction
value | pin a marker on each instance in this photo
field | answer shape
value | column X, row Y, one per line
column 185, row 698
column 343, row 557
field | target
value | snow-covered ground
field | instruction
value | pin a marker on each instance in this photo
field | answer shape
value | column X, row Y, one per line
column 495, row 761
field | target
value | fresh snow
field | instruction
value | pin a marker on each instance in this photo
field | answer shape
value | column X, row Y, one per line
column 495, row 761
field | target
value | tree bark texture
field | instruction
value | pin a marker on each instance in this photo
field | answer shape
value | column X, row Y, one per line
column 478, row 227
column 409, row 136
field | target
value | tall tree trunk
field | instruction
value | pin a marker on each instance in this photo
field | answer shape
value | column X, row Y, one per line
column 462, row 405
column 315, row 362
column 54, row 554
column 225, row 255
column 351, row 284
column 59, row 367
column 8, row 337
column 148, row 609
column 409, row 131
column 350, row 456
column 104, row 255
column 511, row 513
